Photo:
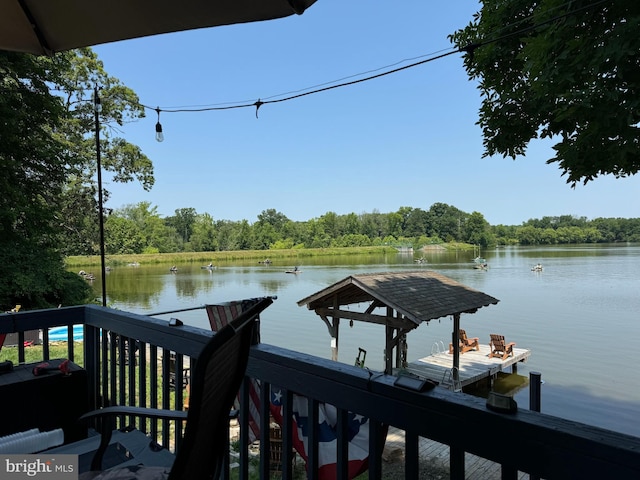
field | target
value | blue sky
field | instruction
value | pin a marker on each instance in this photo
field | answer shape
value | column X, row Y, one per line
column 406, row 139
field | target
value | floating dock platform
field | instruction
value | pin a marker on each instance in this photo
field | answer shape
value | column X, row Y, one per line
column 475, row 366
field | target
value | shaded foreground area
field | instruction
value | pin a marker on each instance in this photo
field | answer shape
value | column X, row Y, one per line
column 529, row 442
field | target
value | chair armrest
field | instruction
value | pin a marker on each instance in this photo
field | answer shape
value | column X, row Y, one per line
column 108, row 426
column 136, row 411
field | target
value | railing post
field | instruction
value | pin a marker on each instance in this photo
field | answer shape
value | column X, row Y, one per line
column 342, row 426
column 265, row 429
column 411, row 465
column 535, row 397
column 534, row 391
column 509, row 473
column 376, row 433
column 312, row 442
column 456, row 463
column 287, row 430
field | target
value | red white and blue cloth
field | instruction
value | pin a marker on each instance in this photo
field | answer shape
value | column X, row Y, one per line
column 358, row 428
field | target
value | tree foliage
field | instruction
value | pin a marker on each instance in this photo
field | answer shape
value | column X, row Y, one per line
column 34, row 164
column 79, row 76
column 48, row 170
column 569, row 71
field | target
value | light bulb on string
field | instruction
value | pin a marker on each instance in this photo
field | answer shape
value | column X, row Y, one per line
column 97, row 103
column 159, row 134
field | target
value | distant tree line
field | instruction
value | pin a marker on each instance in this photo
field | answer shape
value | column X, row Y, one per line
column 140, row 229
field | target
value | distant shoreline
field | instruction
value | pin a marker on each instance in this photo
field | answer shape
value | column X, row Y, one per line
column 244, row 255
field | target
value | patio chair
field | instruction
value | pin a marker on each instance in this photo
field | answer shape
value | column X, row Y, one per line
column 499, row 348
column 216, row 379
column 219, row 315
column 466, row 343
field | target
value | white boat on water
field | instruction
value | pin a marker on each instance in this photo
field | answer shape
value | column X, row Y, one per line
column 537, row 268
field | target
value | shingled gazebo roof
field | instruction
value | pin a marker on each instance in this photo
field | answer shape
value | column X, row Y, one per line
column 419, row 296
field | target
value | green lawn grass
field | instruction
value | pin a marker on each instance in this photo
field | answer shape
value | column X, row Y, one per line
column 33, row 354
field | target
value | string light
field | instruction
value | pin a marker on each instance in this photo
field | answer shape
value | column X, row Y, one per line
column 97, row 103
column 159, row 134
column 467, row 49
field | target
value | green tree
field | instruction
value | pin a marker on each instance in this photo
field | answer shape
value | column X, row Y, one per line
column 351, row 223
column 563, row 70
column 264, row 235
column 373, row 224
column 157, row 236
column 244, row 235
column 316, row 237
column 331, row 224
column 416, row 223
column 405, row 213
column 160, row 237
column 395, row 224
column 34, row 164
column 353, row 240
column 203, row 238
column 182, row 222
column 477, row 231
column 274, row 218
column 504, row 234
column 445, row 222
column 528, row 235
column 548, row 236
column 80, row 73
column 123, row 236
column 227, row 233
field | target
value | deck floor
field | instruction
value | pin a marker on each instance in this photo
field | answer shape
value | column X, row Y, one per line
column 475, row 365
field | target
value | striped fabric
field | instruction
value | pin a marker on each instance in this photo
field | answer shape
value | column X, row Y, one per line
column 220, row 315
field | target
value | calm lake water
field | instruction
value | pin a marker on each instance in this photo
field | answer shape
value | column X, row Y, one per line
column 579, row 316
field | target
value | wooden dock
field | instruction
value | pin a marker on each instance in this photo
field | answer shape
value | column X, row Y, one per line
column 475, row 366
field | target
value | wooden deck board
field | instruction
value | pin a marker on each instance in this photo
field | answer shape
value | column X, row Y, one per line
column 474, row 365
column 476, row 468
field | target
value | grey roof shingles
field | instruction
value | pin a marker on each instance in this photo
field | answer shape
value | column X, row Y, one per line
column 419, row 296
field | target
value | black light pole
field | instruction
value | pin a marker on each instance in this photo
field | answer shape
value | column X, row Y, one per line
column 97, row 108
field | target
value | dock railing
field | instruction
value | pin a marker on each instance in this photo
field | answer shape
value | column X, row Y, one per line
column 127, row 358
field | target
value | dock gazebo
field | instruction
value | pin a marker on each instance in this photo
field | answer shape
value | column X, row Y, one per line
column 400, row 301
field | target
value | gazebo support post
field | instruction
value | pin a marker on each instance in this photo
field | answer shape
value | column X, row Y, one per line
column 333, row 327
column 334, row 339
column 456, row 345
column 336, row 330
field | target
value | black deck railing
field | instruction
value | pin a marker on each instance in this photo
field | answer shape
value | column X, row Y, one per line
column 130, row 359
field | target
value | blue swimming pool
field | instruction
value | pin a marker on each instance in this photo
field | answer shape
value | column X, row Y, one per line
column 61, row 334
